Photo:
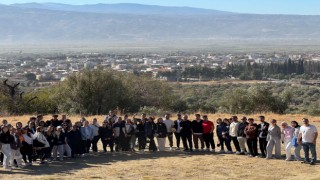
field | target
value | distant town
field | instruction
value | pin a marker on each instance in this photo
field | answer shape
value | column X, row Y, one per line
column 44, row 70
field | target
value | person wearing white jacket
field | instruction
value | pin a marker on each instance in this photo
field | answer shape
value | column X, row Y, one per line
column 287, row 136
column 42, row 144
column 6, row 139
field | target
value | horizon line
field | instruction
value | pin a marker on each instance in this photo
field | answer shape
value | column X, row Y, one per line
column 143, row 4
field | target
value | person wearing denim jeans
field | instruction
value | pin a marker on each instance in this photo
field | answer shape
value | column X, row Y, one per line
column 308, row 137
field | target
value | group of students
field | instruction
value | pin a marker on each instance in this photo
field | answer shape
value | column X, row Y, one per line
column 44, row 140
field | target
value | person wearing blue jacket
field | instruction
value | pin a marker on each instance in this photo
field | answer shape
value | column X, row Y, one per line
column 86, row 135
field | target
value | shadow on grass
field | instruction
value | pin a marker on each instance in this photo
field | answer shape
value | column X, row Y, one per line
column 69, row 166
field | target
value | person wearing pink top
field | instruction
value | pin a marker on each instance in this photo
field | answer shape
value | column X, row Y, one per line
column 287, row 136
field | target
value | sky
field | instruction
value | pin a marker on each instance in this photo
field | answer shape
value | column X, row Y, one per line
column 302, row 7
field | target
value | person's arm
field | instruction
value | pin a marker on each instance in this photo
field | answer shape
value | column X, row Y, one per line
column 315, row 138
column 212, row 129
column 299, row 138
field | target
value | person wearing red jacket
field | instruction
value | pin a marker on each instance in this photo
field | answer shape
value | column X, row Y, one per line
column 208, row 128
column 251, row 132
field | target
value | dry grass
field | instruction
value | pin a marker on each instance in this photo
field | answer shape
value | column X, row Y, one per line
column 170, row 165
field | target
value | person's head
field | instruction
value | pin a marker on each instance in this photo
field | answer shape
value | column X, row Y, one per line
column 284, row 125
column 262, row 119
column 244, row 119
column 294, row 124
column 64, row 126
column 18, row 125
column 42, row 123
column 234, row 118
column 160, row 120
column 305, row 121
column 151, row 119
column 205, row 117
column 55, row 117
column 126, row 117
column 185, row 117
column 197, row 116
column 25, row 130
column 94, row 121
column 40, row 117
column 59, row 129
column 13, row 131
column 226, row 121
column 78, row 124
column 18, row 131
column 32, row 119
column 5, row 129
column 128, row 121
column 4, row 122
column 105, row 124
column 64, row 117
column 219, row 121
column 86, row 123
column 119, row 119
column 143, row 116
column 74, row 127
column 39, row 129
column 179, row 116
column 273, row 122
column 167, row 116
column 251, row 121
column 31, row 124
column 50, row 128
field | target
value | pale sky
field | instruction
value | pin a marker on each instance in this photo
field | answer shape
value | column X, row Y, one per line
column 303, row 7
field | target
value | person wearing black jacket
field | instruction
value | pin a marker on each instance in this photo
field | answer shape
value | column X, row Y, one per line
column 241, row 136
column 197, row 129
column 54, row 121
column 262, row 134
column 150, row 128
column 74, row 141
column 177, row 126
column 186, row 133
column 106, row 135
column 6, row 139
column 161, row 132
column 141, row 133
column 59, row 141
column 49, row 134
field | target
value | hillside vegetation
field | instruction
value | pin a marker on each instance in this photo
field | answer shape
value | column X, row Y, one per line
column 98, row 91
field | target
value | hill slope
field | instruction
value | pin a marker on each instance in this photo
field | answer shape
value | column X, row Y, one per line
column 32, row 24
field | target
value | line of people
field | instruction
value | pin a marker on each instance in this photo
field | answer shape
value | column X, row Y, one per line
column 44, row 140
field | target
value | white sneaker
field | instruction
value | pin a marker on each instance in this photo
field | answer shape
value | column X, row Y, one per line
column 238, row 153
column 170, row 149
column 213, row 150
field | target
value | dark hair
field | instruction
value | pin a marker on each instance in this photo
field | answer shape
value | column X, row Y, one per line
column 297, row 124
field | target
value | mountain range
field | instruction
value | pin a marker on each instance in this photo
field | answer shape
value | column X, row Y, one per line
column 50, row 22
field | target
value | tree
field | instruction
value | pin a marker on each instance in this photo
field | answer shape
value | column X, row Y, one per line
column 31, row 77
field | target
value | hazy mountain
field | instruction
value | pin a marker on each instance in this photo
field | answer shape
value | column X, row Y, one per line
column 125, row 22
column 123, row 8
